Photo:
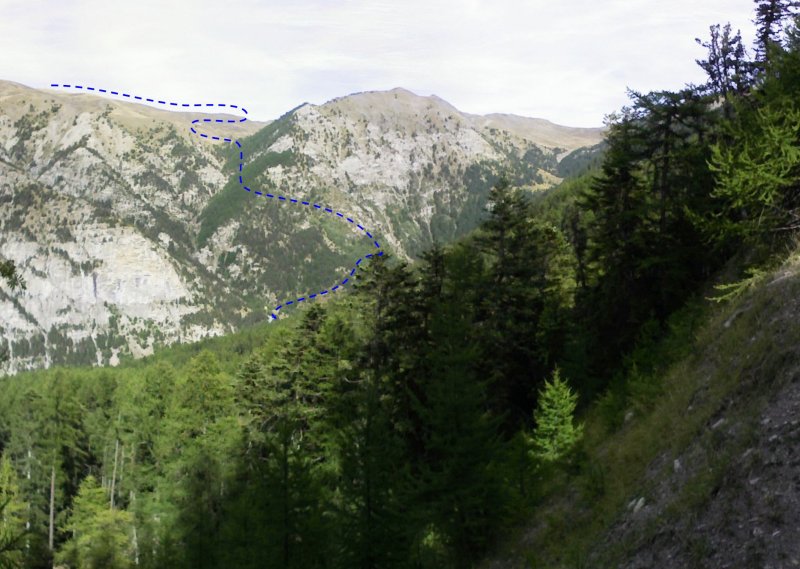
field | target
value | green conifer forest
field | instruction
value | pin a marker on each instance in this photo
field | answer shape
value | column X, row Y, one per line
column 422, row 417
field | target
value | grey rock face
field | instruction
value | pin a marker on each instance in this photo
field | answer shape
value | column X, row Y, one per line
column 131, row 233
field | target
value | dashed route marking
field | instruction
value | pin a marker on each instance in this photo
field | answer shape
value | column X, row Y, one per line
column 258, row 193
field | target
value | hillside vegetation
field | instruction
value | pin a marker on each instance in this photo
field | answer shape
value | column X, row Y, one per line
column 601, row 375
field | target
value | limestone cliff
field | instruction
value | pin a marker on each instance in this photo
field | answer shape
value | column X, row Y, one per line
column 131, row 232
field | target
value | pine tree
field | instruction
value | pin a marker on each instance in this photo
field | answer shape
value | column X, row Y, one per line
column 9, row 272
column 654, row 184
column 510, row 303
column 141, row 400
column 769, row 20
column 459, row 495
column 370, row 457
column 728, row 70
column 58, row 415
column 378, row 429
column 282, row 392
column 199, row 435
column 555, row 434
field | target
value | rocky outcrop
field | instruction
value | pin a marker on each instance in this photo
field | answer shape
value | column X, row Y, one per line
column 132, row 233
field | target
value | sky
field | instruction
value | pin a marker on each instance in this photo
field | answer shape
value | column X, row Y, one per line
column 569, row 61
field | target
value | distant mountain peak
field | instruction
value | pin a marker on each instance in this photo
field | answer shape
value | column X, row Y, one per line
column 402, row 105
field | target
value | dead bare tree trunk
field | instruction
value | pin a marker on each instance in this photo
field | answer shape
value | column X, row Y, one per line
column 52, row 504
column 114, row 473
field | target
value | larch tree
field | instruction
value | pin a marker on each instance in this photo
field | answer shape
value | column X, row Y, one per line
column 100, row 538
column 12, row 517
column 555, row 433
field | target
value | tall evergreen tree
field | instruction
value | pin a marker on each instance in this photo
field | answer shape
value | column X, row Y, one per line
column 199, row 434
column 653, row 186
column 555, row 434
column 378, row 429
column 100, row 536
column 527, row 269
column 9, row 272
column 282, row 400
column 769, row 20
column 727, row 67
column 12, row 517
column 758, row 175
column 459, row 490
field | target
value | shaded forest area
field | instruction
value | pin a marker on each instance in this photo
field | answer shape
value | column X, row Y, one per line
column 413, row 421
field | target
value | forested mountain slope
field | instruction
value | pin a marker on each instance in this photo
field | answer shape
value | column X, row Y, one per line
column 362, row 429
column 700, row 466
column 132, row 233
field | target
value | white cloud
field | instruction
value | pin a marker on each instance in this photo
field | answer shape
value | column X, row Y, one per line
column 568, row 61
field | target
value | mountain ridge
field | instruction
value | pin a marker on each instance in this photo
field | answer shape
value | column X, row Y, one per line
column 84, row 172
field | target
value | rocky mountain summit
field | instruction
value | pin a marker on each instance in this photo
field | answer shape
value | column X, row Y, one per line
column 130, row 232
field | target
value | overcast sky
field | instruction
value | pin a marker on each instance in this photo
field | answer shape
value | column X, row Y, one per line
column 565, row 60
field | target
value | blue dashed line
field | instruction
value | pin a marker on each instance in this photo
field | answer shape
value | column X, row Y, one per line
column 241, row 180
